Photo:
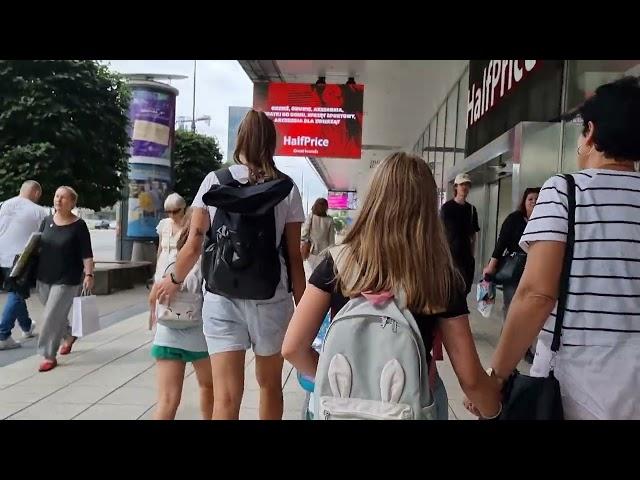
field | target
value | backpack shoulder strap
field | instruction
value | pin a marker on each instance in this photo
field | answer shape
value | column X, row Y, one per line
column 224, row 176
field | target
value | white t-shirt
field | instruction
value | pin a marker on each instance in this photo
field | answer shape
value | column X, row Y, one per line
column 599, row 358
column 19, row 218
column 289, row 210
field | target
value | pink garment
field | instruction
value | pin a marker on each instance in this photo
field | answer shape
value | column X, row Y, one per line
column 378, row 298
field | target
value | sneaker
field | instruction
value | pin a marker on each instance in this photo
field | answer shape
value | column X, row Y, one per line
column 31, row 332
column 8, row 344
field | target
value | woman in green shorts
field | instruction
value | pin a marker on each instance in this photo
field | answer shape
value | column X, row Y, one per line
column 174, row 347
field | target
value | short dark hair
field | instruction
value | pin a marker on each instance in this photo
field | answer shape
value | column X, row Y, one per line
column 614, row 110
column 527, row 192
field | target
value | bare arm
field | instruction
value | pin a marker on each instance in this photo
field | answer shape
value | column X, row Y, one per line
column 88, row 266
column 192, row 249
column 533, row 302
column 153, row 297
column 88, row 281
column 187, row 256
column 298, row 281
column 483, row 391
column 303, row 328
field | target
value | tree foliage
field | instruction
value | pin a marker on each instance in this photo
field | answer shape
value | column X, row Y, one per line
column 63, row 122
column 194, row 156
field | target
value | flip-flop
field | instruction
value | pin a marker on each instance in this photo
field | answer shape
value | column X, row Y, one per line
column 47, row 365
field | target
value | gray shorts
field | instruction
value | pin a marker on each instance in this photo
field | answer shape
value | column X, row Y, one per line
column 232, row 324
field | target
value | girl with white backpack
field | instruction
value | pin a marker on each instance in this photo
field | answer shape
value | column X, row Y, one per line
column 179, row 338
column 395, row 261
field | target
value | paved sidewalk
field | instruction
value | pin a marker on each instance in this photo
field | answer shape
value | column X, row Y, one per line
column 113, row 308
column 111, row 375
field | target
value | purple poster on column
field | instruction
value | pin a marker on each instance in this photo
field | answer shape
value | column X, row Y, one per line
column 152, row 116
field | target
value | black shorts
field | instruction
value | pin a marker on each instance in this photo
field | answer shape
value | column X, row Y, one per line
column 467, row 269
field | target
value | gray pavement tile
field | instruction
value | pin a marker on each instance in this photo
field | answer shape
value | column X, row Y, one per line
column 112, row 412
column 80, row 394
column 9, row 408
column 127, row 395
column 50, row 411
column 29, row 394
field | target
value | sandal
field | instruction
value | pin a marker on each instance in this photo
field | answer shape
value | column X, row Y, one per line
column 47, row 365
column 65, row 349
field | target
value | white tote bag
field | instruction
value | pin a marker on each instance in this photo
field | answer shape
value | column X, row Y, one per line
column 85, row 315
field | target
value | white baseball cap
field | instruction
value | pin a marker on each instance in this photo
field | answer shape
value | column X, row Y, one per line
column 462, row 178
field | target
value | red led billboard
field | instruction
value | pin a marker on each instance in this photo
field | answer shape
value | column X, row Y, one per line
column 314, row 120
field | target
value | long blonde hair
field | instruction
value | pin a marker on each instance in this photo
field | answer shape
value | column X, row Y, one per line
column 398, row 241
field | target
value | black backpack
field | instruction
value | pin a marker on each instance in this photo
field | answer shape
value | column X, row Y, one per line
column 241, row 258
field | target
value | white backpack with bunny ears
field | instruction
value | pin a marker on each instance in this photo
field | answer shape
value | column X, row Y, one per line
column 373, row 364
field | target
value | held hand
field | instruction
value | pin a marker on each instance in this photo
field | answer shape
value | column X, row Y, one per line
column 488, row 271
column 469, row 406
column 166, row 290
column 87, row 284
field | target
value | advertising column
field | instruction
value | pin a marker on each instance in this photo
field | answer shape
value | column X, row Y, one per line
column 151, row 129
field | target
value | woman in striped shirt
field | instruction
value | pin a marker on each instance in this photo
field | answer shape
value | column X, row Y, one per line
column 598, row 364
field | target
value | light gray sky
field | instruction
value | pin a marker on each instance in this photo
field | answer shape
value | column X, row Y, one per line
column 219, row 85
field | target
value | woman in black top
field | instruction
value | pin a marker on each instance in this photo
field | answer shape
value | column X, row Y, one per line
column 398, row 243
column 65, row 269
column 508, row 240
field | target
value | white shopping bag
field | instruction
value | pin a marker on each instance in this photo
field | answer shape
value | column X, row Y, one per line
column 85, row 315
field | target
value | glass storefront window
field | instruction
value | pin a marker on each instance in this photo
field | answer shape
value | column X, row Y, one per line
column 584, row 76
column 461, row 130
column 441, row 127
column 432, row 141
column 450, row 131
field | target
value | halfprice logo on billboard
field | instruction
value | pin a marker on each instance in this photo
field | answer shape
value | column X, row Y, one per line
column 314, row 120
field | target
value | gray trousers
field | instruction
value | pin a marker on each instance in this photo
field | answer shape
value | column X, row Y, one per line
column 57, row 301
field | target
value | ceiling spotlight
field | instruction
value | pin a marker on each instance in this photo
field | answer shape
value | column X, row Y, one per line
column 321, row 81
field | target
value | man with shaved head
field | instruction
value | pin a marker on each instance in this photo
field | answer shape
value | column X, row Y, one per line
column 19, row 217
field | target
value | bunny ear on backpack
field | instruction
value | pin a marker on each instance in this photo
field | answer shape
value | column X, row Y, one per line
column 392, row 381
column 340, row 376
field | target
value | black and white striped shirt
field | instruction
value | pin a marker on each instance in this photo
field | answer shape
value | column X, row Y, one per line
column 603, row 304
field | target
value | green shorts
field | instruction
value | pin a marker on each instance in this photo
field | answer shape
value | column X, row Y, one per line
column 170, row 353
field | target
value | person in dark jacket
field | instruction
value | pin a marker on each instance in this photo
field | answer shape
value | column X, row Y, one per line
column 507, row 244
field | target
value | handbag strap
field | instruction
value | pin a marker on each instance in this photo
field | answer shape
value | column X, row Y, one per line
column 566, row 267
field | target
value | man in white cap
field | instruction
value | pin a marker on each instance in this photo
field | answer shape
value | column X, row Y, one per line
column 19, row 217
column 460, row 220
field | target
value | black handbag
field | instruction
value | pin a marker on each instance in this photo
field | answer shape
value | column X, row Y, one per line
column 510, row 268
column 539, row 398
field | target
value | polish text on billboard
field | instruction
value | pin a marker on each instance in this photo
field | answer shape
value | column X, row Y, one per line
column 314, row 120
